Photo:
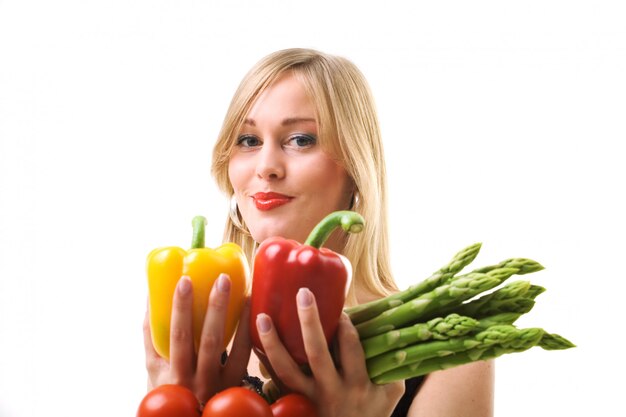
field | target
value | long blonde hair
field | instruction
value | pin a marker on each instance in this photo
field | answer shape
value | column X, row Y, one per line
column 348, row 130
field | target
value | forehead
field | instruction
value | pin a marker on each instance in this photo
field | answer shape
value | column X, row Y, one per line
column 286, row 97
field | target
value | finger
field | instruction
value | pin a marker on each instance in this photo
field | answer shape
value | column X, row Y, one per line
column 283, row 365
column 181, row 331
column 212, row 339
column 242, row 347
column 351, row 353
column 315, row 344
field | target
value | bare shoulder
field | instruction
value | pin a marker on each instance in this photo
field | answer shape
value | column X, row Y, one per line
column 465, row 390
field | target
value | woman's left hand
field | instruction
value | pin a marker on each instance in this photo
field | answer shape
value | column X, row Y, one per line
column 344, row 392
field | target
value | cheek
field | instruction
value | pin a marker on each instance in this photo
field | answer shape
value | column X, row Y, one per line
column 330, row 180
column 236, row 174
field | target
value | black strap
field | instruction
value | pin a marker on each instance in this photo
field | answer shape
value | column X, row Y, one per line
column 411, row 386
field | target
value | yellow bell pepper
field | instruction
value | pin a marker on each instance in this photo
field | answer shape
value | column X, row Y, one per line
column 165, row 266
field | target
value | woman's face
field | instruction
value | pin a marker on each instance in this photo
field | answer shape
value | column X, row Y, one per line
column 284, row 182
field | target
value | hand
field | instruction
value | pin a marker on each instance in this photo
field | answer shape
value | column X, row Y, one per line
column 346, row 391
column 202, row 372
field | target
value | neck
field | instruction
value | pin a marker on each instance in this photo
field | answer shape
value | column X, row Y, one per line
column 336, row 241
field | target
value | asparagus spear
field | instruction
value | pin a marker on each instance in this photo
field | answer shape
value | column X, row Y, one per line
column 440, row 328
column 525, row 266
column 524, row 339
column 363, row 312
column 437, row 349
column 551, row 341
column 453, row 293
column 498, row 319
column 514, row 297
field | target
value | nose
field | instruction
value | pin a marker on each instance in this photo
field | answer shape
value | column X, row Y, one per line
column 271, row 165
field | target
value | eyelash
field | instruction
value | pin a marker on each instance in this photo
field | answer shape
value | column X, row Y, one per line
column 242, row 139
column 311, row 140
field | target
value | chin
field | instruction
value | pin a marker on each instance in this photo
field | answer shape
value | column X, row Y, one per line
column 272, row 229
column 259, row 234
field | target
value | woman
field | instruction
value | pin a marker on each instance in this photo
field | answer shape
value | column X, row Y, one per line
column 300, row 140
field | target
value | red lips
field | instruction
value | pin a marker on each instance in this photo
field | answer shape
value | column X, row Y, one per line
column 271, row 200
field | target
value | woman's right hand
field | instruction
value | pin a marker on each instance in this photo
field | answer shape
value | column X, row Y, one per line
column 203, row 372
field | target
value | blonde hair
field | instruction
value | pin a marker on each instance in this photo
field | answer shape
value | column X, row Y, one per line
column 348, row 130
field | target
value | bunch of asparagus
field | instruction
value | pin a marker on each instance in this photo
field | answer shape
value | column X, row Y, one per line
column 444, row 321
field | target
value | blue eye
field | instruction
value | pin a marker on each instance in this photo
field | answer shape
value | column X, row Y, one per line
column 303, row 141
column 248, row 141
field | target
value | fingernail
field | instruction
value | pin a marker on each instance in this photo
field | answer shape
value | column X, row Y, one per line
column 304, row 298
column 263, row 323
column 184, row 285
column 223, row 283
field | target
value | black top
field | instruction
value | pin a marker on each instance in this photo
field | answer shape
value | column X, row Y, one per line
column 411, row 387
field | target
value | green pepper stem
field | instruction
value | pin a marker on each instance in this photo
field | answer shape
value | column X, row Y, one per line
column 197, row 239
column 349, row 221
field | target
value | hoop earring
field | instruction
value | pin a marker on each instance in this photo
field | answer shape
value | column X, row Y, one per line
column 233, row 213
column 356, row 198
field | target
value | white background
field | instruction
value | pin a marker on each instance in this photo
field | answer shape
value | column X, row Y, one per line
column 502, row 124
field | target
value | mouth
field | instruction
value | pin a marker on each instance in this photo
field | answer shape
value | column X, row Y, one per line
column 269, row 201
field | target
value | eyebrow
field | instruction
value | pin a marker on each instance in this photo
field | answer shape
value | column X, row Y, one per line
column 286, row 122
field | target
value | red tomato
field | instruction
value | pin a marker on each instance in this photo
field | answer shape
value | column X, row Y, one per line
column 236, row 402
column 169, row 400
column 294, row 405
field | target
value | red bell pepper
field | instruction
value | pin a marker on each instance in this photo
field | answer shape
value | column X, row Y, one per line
column 283, row 266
